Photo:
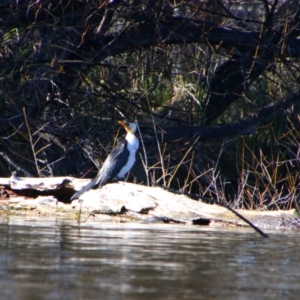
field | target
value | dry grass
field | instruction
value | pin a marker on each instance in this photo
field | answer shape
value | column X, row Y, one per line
column 258, row 172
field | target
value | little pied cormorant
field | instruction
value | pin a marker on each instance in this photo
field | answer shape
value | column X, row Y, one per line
column 118, row 163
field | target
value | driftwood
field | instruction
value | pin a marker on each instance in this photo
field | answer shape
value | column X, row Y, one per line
column 126, row 202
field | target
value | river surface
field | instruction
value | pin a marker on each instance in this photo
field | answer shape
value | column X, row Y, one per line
column 57, row 259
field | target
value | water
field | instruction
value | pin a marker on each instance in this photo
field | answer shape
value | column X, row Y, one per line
column 56, row 259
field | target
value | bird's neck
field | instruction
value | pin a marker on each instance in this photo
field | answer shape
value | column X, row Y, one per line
column 132, row 140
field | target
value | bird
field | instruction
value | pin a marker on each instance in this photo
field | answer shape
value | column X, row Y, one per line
column 118, row 163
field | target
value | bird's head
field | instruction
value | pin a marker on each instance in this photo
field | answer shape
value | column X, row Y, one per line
column 129, row 127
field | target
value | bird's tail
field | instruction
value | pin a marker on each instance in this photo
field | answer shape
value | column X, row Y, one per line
column 87, row 187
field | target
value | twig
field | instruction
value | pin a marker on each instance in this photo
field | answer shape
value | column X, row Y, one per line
column 233, row 211
column 80, row 212
column 145, row 163
column 197, row 197
column 31, row 141
column 158, row 145
column 182, row 160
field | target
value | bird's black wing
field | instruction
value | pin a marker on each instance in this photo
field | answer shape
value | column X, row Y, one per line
column 109, row 170
column 113, row 164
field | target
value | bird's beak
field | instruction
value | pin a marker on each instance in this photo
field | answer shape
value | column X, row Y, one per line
column 124, row 124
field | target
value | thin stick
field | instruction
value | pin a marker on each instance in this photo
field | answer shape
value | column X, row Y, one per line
column 182, row 160
column 197, row 197
column 236, row 213
column 80, row 212
column 31, row 142
column 158, row 146
column 145, row 164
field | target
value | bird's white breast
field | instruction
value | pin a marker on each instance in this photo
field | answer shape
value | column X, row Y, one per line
column 133, row 142
column 132, row 146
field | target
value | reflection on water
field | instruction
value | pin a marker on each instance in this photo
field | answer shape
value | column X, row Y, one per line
column 60, row 260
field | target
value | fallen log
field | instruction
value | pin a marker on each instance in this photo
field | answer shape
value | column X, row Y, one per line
column 126, row 202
